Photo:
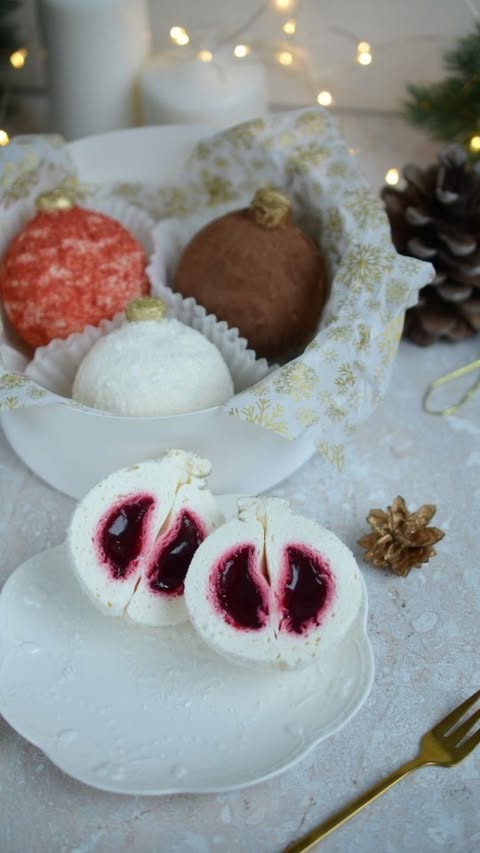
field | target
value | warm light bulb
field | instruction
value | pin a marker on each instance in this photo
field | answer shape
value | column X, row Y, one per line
column 241, row 51
column 363, row 47
column 325, row 98
column 17, row 59
column 289, row 27
column 179, row 35
column 475, row 143
column 364, row 58
column 284, row 57
column 205, row 55
column 4, row 138
column 392, row 177
column 283, row 4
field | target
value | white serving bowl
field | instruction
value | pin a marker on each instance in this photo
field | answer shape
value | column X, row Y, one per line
column 72, row 448
column 316, row 399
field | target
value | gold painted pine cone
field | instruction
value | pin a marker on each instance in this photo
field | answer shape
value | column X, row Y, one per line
column 400, row 540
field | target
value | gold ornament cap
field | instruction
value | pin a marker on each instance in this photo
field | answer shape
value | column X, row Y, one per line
column 270, row 207
column 145, row 308
column 54, row 200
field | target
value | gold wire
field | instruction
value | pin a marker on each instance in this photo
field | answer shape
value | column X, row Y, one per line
column 450, row 377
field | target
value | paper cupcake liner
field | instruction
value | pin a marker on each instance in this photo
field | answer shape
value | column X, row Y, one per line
column 54, row 366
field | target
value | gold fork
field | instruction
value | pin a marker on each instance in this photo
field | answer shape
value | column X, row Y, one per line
column 444, row 745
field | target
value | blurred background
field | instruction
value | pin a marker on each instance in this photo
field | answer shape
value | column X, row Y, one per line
column 354, row 56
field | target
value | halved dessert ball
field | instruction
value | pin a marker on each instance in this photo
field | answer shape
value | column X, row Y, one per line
column 133, row 536
column 272, row 588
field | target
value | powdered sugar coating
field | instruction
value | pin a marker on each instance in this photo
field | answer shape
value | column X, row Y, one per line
column 153, row 367
column 67, row 269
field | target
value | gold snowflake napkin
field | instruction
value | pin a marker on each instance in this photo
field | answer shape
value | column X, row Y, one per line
column 344, row 371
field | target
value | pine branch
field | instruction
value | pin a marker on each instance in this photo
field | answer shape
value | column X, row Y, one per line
column 9, row 42
column 8, row 6
column 464, row 59
column 450, row 109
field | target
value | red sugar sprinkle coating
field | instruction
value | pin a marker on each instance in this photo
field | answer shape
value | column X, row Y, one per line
column 68, row 269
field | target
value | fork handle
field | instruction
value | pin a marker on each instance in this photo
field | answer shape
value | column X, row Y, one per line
column 311, row 838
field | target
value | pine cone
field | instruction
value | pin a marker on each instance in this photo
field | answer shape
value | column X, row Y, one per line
column 401, row 540
column 437, row 218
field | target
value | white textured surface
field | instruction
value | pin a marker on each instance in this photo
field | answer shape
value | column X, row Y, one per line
column 424, row 630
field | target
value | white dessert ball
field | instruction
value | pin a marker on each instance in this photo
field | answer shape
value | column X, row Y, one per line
column 153, row 367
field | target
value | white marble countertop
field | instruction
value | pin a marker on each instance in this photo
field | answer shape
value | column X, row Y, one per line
column 424, row 631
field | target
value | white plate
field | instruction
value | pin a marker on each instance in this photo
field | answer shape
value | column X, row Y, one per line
column 143, row 711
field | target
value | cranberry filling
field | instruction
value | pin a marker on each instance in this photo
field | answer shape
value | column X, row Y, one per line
column 237, row 593
column 167, row 574
column 122, row 533
column 308, row 589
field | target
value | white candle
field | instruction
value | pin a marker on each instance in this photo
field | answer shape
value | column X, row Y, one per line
column 221, row 92
column 95, row 50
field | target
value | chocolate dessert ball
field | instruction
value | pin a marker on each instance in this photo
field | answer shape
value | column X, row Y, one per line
column 255, row 269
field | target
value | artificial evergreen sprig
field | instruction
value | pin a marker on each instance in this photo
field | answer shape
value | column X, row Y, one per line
column 8, row 38
column 9, row 42
column 450, row 109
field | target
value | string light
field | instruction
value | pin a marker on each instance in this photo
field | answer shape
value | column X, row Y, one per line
column 179, row 35
column 284, row 57
column 17, row 59
column 289, row 27
column 324, row 98
column 364, row 58
column 283, row 5
column 364, row 53
column 475, row 143
column 175, row 32
column 241, row 51
column 392, row 177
